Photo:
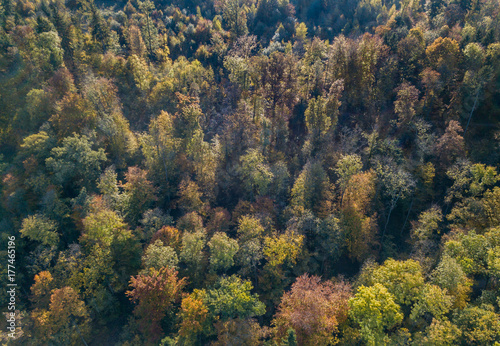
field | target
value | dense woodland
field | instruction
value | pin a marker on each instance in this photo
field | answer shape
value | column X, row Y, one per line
column 251, row 172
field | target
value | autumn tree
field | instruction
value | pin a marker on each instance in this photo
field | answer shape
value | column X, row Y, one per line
column 41, row 289
column 314, row 309
column 65, row 322
column 444, row 56
column 406, row 104
column 194, row 317
column 239, row 331
column 357, row 219
column 284, row 248
column 346, row 168
column 140, row 192
column 450, row 145
column 277, row 77
column 154, row 294
column 135, row 41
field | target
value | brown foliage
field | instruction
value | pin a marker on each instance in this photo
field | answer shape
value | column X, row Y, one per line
column 451, row 144
column 170, row 236
column 314, row 309
column 154, row 294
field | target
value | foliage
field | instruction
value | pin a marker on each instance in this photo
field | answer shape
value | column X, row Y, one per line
column 314, row 310
column 154, row 293
column 222, row 251
column 216, row 151
column 375, row 310
column 40, row 229
column 157, row 256
column 283, row 248
column 66, row 321
column 76, row 161
column 403, row 279
column 231, row 298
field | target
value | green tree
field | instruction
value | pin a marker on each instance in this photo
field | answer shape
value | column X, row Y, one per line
column 255, row 173
column 158, row 256
column 397, row 184
column 406, row 104
column 479, row 326
column 140, row 192
column 450, row 276
column 101, row 96
column 103, row 228
column 376, row 312
column 75, row 161
column 442, row 333
column 231, row 298
column 432, row 301
column 159, row 148
column 470, row 251
column 40, row 229
column 48, row 53
column 150, row 32
column 99, row 27
column 322, row 113
column 250, row 233
column 109, row 188
column 234, row 14
column 222, row 251
column 192, row 254
column 312, row 189
column 403, row 279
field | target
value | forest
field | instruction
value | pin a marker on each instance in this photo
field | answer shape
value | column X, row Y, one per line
column 250, row 172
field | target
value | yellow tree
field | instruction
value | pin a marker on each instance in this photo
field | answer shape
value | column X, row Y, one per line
column 66, row 322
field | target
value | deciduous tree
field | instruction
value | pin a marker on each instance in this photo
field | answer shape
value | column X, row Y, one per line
column 154, row 294
column 314, row 309
column 375, row 310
